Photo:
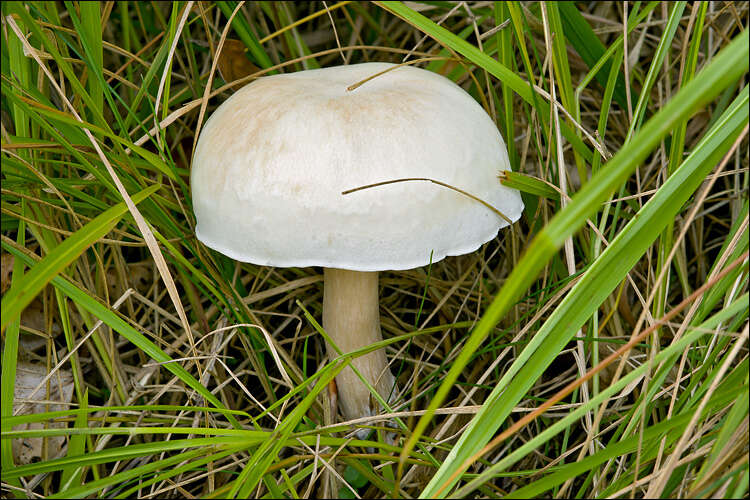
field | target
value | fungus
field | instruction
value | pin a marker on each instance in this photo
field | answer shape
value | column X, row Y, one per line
column 273, row 161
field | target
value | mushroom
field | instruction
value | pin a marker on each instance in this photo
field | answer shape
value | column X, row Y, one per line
column 273, row 161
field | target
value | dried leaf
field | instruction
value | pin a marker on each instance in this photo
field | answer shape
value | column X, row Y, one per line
column 6, row 270
column 140, row 276
column 28, row 377
column 33, row 317
column 233, row 63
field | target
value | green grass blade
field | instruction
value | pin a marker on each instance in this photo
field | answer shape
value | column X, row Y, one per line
column 252, row 436
column 74, row 412
column 560, row 55
column 76, row 446
column 10, row 360
column 584, row 41
column 239, row 23
column 528, row 184
column 665, row 43
column 503, row 39
column 91, row 32
column 18, row 68
column 122, row 453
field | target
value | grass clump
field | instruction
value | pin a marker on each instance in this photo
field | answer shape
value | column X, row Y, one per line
column 598, row 349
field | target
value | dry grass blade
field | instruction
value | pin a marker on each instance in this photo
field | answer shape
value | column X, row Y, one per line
column 434, row 181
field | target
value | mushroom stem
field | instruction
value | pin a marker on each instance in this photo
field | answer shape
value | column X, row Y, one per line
column 351, row 317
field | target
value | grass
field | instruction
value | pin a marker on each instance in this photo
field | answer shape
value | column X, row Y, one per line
column 194, row 375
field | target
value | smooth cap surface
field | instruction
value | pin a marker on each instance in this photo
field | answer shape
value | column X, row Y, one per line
column 272, row 161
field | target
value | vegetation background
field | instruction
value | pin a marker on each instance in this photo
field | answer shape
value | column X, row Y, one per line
column 137, row 362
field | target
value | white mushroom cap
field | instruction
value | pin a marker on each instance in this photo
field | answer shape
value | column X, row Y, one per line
column 272, row 162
